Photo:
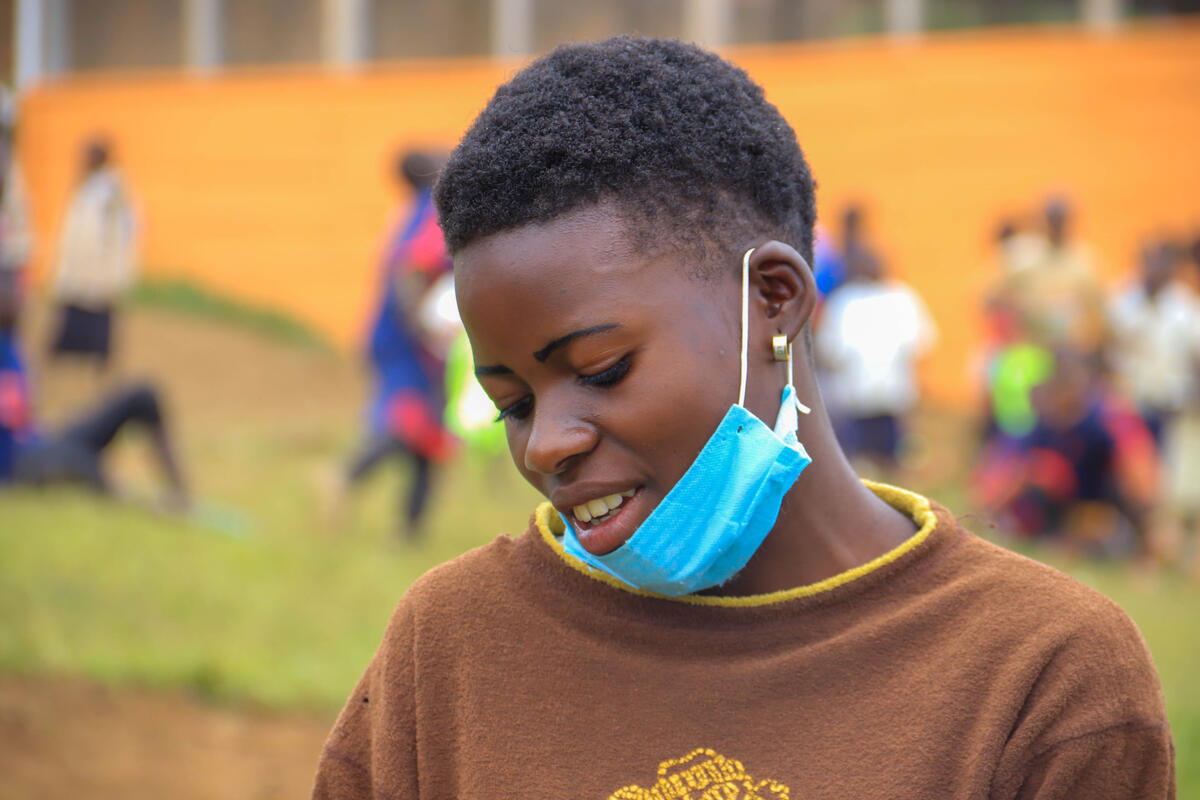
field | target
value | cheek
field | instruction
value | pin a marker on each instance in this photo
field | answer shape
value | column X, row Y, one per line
column 669, row 415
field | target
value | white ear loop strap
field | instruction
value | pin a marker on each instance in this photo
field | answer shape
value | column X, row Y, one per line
column 789, row 360
column 746, row 339
column 746, row 323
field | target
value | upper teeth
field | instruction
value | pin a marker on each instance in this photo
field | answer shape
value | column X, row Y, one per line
column 594, row 509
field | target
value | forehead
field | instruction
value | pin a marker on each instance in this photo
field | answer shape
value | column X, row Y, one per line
column 542, row 280
column 587, row 243
column 577, row 253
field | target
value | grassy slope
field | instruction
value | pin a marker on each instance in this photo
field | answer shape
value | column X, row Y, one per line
column 253, row 599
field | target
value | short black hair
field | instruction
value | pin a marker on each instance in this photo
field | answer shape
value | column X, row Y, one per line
column 96, row 153
column 683, row 143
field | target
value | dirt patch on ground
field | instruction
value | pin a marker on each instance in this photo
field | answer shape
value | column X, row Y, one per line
column 212, row 374
column 62, row 738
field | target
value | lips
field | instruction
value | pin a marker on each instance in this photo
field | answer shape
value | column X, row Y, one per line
column 604, row 523
column 602, row 508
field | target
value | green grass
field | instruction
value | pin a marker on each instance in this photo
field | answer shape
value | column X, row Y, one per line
column 176, row 294
column 278, row 613
column 275, row 612
column 252, row 599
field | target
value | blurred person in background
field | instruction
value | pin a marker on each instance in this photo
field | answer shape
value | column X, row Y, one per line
column 871, row 333
column 853, row 231
column 96, row 259
column 1155, row 323
column 1017, row 245
column 16, row 235
column 1086, row 475
column 1051, row 288
column 1191, row 274
column 830, row 270
column 407, row 348
column 1005, row 400
column 75, row 452
column 1181, row 440
column 830, row 255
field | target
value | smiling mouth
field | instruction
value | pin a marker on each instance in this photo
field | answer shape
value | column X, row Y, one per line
column 601, row 509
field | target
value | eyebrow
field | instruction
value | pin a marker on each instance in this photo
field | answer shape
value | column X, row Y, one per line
column 544, row 353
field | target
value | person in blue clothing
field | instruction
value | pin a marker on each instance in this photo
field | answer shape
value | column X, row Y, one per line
column 404, row 418
column 829, row 268
column 74, row 453
column 831, row 258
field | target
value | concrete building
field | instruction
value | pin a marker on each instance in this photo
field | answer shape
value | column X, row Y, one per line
column 49, row 37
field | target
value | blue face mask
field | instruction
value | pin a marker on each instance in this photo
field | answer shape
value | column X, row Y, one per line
column 714, row 519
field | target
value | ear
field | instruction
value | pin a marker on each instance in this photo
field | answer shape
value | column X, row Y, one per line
column 784, row 287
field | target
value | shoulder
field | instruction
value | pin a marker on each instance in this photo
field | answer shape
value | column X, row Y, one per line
column 904, row 296
column 1181, row 300
column 1047, row 599
column 466, row 580
column 1127, row 301
column 1082, row 689
column 1022, row 619
column 456, row 603
column 1077, row 657
column 837, row 299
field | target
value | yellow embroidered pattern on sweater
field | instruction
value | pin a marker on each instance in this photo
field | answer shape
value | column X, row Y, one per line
column 704, row 774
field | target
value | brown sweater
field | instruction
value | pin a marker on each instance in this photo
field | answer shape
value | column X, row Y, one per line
column 946, row 668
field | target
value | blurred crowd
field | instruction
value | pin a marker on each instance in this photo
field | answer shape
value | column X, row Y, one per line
column 1089, row 431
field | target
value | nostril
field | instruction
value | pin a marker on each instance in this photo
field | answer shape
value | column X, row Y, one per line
column 550, row 452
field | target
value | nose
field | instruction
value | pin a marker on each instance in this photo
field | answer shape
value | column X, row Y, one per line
column 555, row 439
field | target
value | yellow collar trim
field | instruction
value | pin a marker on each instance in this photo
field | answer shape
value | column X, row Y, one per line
column 550, row 526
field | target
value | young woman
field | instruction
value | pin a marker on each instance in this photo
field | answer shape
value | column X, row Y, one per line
column 711, row 604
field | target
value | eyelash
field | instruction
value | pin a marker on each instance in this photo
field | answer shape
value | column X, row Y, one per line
column 602, row 380
column 609, row 377
column 518, row 410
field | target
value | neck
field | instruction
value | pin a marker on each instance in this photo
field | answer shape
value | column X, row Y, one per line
column 829, row 522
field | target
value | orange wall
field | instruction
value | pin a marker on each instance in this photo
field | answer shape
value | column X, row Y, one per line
column 270, row 184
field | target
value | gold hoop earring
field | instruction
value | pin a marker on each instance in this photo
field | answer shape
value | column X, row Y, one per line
column 780, row 347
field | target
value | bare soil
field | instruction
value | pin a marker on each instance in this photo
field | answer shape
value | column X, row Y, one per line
column 67, row 738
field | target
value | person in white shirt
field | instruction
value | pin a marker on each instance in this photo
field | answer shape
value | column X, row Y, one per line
column 16, row 234
column 96, row 258
column 1156, row 355
column 872, row 332
column 1156, row 339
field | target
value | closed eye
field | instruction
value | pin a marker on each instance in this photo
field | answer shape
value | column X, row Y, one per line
column 518, row 410
column 608, row 377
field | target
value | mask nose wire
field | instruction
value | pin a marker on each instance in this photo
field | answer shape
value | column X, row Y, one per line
column 746, row 324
